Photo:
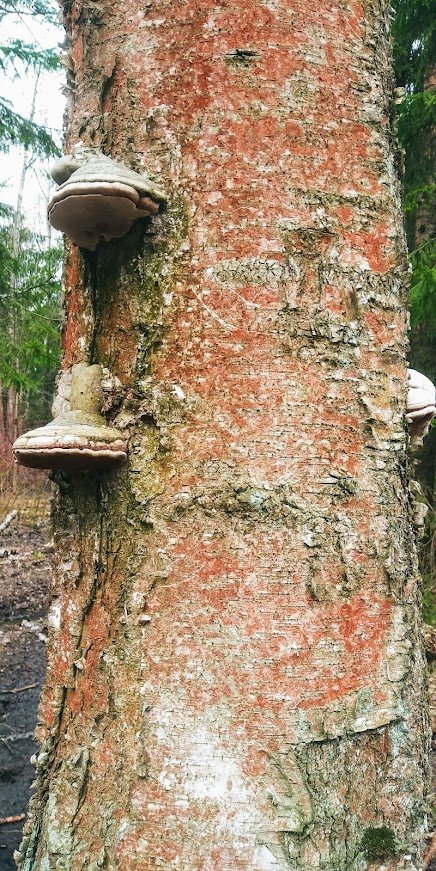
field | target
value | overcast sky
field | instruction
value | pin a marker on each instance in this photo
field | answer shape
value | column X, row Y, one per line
column 49, row 111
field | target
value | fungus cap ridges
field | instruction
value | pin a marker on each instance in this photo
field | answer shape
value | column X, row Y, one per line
column 99, row 198
column 78, row 438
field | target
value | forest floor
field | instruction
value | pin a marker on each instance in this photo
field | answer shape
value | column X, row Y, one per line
column 25, row 576
column 25, row 579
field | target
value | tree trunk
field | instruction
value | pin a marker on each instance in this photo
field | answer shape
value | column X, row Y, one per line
column 12, row 429
column 3, row 443
column 235, row 674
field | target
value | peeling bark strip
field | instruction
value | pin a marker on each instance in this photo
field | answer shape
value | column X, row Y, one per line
column 235, row 670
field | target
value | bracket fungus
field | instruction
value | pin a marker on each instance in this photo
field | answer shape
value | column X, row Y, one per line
column 98, row 198
column 421, row 403
column 78, row 438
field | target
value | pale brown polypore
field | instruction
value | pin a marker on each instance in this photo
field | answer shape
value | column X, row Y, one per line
column 77, row 439
column 421, row 403
column 99, row 199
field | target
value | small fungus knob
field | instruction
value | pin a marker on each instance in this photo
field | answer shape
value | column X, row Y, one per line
column 76, row 439
column 99, row 198
column 421, row 403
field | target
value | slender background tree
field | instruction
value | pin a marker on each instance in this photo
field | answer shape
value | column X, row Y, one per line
column 17, row 56
column 30, row 266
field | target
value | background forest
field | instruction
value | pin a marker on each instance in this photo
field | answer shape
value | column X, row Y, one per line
column 414, row 43
column 30, row 264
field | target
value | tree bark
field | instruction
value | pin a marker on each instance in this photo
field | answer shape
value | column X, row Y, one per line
column 236, row 678
column 3, row 443
column 12, row 429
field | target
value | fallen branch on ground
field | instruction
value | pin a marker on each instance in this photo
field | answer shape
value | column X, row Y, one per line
column 16, row 819
column 8, row 519
column 16, row 736
column 430, row 853
column 30, row 686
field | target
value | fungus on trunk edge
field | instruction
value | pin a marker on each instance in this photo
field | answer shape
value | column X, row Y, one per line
column 78, row 438
column 98, row 198
column 421, row 403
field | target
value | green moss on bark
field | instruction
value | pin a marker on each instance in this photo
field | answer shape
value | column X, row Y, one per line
column 379, row 843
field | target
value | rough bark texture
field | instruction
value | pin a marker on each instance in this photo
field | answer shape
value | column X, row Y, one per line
column 235, row 670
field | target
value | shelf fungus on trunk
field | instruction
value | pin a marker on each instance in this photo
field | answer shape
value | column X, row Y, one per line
column 421, row 403
column 78, row 438
column 98, row 198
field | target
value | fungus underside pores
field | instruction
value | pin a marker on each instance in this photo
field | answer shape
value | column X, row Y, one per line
column 98, row 198
column 79, row 437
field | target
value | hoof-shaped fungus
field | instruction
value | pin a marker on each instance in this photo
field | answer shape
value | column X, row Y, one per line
column 79, row 438
column 99, row 199
column 421, row 403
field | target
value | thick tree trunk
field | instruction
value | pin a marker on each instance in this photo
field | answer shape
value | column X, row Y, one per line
column 235, row 670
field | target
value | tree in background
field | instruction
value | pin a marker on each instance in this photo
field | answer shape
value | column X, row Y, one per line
column 29, row 265
column 16, row 57
column 414, row 30
column 29, row 332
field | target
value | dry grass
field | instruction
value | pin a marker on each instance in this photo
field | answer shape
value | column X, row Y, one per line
column 32, row 496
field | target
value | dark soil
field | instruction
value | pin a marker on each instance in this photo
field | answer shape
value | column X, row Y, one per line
column 25, row 575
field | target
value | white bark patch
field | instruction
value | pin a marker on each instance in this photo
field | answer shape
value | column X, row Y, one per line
column 54, row 618
column 265, row 859
column 211, row 774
